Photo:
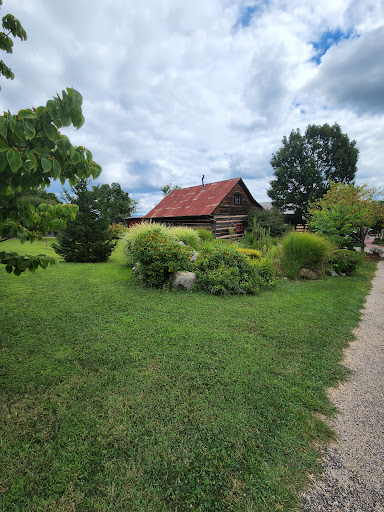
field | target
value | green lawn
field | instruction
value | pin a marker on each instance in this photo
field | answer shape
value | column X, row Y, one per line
column 118, row 397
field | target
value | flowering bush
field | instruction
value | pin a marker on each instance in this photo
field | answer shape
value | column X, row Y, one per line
column 117, row 230
column 157, row 256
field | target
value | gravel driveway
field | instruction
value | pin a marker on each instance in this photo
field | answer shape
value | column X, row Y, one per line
column 353, row 478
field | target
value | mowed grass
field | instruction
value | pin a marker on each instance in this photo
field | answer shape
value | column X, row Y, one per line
column 118, row 397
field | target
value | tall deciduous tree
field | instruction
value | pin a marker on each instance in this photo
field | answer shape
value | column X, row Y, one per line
column 32, row 153
column 347, row 211
column 11, row 26
column 86, row 239
column 306, row 164
column 113, row 203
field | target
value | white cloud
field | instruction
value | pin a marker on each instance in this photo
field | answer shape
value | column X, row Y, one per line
column 175, row 90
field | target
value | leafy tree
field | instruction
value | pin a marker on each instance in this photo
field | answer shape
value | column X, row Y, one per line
column 306, row 164
column 86, row 239
column 11, row 26
column 36, row 197
column 113, row 203
column 272, row 220
column 167, row 189
column 32, row 153
column 346, row 211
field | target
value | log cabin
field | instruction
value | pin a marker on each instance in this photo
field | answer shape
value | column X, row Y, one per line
column 221, row 207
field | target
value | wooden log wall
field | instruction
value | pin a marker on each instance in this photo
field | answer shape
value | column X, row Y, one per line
column 190, row 222
column 223, row 223
column 228, row 206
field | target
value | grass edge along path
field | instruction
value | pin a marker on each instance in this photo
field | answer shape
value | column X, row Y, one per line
column 119, row 397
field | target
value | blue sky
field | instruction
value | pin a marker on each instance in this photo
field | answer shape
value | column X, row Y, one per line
column 173, row 90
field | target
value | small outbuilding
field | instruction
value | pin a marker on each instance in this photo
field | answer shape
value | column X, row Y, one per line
column 221, row 207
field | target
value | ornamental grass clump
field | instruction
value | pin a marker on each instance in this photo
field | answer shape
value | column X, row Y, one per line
column 303, row 250
column 186, row 235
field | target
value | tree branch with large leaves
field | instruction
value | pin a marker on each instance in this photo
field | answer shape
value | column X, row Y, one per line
column 32, row 153
column 12, row 26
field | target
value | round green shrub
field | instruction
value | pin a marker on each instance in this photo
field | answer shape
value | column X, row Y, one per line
column 343, row 261
column 157, row 257
column 221, row 269
column 303, row 250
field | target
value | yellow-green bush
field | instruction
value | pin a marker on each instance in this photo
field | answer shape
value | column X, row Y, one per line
column 252, row 254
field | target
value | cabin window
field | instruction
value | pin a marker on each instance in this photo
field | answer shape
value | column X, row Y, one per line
column 237, row 198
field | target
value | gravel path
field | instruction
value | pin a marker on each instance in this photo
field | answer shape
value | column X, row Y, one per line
column 353, row 478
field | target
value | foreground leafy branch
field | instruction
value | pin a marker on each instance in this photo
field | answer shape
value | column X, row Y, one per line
column 32, row 153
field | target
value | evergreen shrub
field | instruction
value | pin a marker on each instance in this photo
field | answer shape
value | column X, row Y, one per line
column 303, row 250
column 87, row 239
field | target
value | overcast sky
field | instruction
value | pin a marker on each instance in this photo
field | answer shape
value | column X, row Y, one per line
column 173, row 90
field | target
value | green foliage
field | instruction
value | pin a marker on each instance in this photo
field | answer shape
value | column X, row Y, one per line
column 32, row 153
column 157, row 255
column 222, row 270
column 347, row 211
column 205, row 235
column 113, row 203
column 86, row 239
column 343, row 261
column 136, row 232
column 10, row 25
column 378, row 241
column 156, row 403
column 118, row 230
column 306, row 164
column 19, row 263
column 272, row 220
column 303, row 250
column 167, row 189
column 266, row 269
column 260, row 238
column 186, row 235
column 252, row 254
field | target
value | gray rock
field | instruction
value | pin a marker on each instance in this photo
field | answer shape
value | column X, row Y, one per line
column 194, row 256
column 334, row 274
column 184, row 280
column 305, row 273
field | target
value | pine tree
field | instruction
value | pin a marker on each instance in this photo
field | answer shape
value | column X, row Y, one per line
column 87, row 239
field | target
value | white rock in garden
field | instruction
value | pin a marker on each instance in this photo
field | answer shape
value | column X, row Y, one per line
column 184, row 280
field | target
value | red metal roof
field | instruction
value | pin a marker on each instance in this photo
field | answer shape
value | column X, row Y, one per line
column 193, row 200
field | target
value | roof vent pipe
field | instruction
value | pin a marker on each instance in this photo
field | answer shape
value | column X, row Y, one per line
column 202, row 181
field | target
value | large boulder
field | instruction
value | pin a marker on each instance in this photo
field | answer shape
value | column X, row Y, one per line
column 184, row 280
column 305, row 273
